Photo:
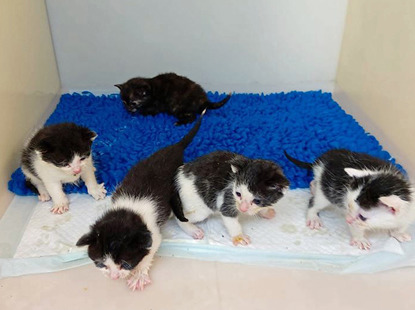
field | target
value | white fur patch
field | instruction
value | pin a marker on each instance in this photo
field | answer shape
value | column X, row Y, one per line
column 360, row 173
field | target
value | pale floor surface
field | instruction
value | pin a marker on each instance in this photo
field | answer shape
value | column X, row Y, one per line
column 191, row 284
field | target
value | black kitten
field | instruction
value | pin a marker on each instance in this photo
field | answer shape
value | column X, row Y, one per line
column 230, row 184
column 124, row 240
column 373, row 193
column 166, row 93
column 60, row 154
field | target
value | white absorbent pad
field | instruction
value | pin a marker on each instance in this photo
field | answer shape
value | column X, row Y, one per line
column 46, row 242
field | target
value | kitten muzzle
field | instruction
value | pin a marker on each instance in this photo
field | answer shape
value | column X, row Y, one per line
column 244, row 206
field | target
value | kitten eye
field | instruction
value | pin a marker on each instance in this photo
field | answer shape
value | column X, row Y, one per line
column 126, row 266
column 256, row 201
column 238, row 194
column 100, row 265
column 83, row 157
column 361, row 217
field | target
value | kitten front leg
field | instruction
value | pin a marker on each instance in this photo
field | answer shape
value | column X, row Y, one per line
column 267, row 213
column 358, row 237
column 235, row 230
column 140, row 277
column 96, row 190
column 60, row 201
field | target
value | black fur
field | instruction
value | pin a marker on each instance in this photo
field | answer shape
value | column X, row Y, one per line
column 166, row 93
column 58, row 144
column 214, row 174
column 121, row 232
column 335, row 182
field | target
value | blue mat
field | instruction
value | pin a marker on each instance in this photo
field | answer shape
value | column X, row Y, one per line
column 305, row 124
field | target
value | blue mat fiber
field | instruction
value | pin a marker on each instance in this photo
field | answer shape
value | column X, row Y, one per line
column 305, row 124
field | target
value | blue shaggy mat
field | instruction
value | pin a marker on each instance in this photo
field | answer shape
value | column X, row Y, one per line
column 305, row 124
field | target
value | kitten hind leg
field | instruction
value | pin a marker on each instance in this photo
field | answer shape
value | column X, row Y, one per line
column 191, row 229
column 317, row 203
column 185, row 119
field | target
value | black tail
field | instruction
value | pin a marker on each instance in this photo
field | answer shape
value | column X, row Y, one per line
column 299, row 163
column 176, row 206
column 192, row 133
column 216, row 105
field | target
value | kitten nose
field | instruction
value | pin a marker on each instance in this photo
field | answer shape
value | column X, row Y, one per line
column 77, row 170
column 244, row 206
column 115, row 276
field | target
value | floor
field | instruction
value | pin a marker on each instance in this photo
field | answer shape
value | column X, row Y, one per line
column 192, row 284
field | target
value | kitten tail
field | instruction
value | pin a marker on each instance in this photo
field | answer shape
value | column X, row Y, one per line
column 299, row 163
column 192, row 133
column 216, row 105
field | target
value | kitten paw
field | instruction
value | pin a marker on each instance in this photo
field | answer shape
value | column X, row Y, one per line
column 98, row 192
column 139, row 281
column 60, row 209
column 198, row 234
column 313, row 187
column 401, row 237
column 241, row 239
column 314, row 223
column 362, row 244
column 268, row 213
column 44, row 197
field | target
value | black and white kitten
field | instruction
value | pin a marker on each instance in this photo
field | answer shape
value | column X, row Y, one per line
column 122, row 243
column 373, row 193
column 166, row 93
column 230, row 184
column 59, row 154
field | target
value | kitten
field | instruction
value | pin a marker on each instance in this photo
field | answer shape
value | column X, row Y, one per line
column 166, row 93
column 60, row 154
column 230, row 184
column 122, row 243
column 373, row 193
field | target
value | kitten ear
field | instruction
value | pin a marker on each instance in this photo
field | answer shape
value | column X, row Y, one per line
column 88, row 134
column 237, row 164
column 45, row 147
column 119, row 86
column 87, row 239
column 357, row 173
column 394, row 202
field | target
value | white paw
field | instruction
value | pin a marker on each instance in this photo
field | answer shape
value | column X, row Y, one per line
column 362, row 244
column 241, row 239
column 44, row 197
column 314, row 223
column 401, row 237
column 60, row 208
column 98, row 192
column 139, row 281
column 268, row 213
column 198, row 234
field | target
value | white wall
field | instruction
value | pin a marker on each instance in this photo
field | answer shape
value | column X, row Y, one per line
column 29, row 81
column 239, row 45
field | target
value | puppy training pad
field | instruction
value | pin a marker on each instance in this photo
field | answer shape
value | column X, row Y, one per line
column 306, row 124
column 281, row 241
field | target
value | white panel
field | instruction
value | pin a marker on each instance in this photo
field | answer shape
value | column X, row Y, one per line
column 237, row 44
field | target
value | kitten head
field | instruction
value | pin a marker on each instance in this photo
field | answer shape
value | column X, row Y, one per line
column 117, row 242
column 258, row 183
column 379, row 199
column 66, row 146
column 135, row 93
